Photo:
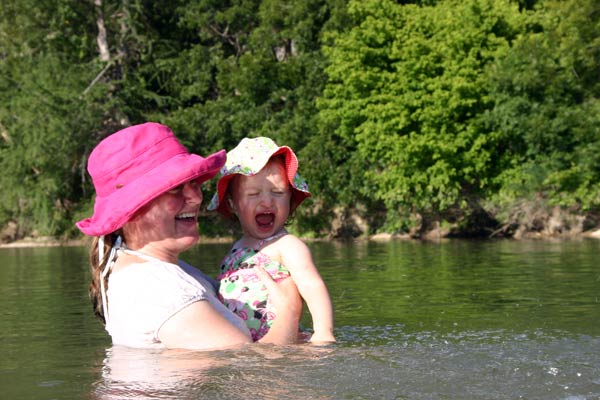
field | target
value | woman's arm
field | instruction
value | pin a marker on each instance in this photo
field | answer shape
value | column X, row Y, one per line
column 296, row 256
column 201, row 326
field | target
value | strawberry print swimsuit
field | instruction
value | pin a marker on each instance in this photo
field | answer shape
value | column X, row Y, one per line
column 242, row 291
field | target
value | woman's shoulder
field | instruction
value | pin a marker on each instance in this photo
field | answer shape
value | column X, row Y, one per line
column 153, row 275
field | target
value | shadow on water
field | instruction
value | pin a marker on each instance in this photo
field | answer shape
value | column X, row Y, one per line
column 451, row 320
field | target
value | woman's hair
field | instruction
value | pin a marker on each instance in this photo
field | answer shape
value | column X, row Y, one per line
column 96, row 269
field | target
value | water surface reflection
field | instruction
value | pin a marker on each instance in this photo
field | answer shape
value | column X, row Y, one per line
column 450, row 320
column 482, row 365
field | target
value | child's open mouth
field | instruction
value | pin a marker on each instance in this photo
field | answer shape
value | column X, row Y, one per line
column 265, row 220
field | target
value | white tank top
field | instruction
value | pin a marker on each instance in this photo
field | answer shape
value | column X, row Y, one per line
column 143, row 296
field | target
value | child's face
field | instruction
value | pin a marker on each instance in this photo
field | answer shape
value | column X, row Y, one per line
column 262, row 201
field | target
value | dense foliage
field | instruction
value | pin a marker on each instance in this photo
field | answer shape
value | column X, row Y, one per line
column 471, row 114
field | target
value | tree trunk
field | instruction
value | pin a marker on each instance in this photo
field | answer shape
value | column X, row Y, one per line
column 101, row 38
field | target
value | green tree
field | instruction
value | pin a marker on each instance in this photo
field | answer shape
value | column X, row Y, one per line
column 405, row 84
column 44, row 116
column 214, row 71
column 546, row 116
column 61, row 92
column 248, row 68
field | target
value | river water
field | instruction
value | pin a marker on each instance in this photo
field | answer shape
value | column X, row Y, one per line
column 414, row 320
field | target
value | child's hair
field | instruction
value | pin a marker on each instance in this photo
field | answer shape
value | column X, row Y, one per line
column 96, row 268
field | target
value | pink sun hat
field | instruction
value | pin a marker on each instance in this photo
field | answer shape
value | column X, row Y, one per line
column 134, row 166
column 248, row 158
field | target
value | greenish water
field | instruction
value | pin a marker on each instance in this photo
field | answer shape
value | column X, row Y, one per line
column 449, row 320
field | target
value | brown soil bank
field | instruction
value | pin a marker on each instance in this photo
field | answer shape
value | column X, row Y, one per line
column 525, row 222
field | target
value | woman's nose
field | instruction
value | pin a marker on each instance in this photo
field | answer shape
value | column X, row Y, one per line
column 192, row 193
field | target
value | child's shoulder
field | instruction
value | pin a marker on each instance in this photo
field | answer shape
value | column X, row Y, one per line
column 290, row 251
column 289, row 244
column 290, row 238
column 286, row 240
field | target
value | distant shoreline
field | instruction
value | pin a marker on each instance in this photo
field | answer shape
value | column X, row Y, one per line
column 51, row 242
column 43, row 242
column 383, row 237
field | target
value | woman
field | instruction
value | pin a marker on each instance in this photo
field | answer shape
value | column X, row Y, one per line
column 145, row 214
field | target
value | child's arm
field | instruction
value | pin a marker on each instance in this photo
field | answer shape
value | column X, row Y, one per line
column 296, row 257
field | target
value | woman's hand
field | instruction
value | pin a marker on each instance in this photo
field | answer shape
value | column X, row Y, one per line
column 287, row 304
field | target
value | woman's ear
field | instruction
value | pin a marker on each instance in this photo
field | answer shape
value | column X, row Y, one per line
column 231, row 205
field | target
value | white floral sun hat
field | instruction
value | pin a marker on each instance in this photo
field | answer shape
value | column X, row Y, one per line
column 248, row 158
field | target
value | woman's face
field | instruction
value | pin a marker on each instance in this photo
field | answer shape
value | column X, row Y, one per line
column 168, row 224
column 262, row 201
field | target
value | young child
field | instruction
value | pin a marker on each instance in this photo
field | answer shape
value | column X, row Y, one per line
column 259, row 186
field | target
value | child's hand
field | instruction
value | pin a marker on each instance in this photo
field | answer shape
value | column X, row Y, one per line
column 322, row 337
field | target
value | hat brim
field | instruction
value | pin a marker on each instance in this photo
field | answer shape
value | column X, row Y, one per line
column 113, row 211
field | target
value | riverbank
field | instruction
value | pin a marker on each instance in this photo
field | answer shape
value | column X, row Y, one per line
column 53, row 242
column 42, row 242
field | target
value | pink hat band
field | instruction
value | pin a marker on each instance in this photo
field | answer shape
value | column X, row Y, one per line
column 134, row 166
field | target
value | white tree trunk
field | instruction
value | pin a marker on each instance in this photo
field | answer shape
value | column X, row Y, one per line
column 101, row 38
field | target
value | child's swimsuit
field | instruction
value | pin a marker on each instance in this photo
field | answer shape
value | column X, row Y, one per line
column 242, row 291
